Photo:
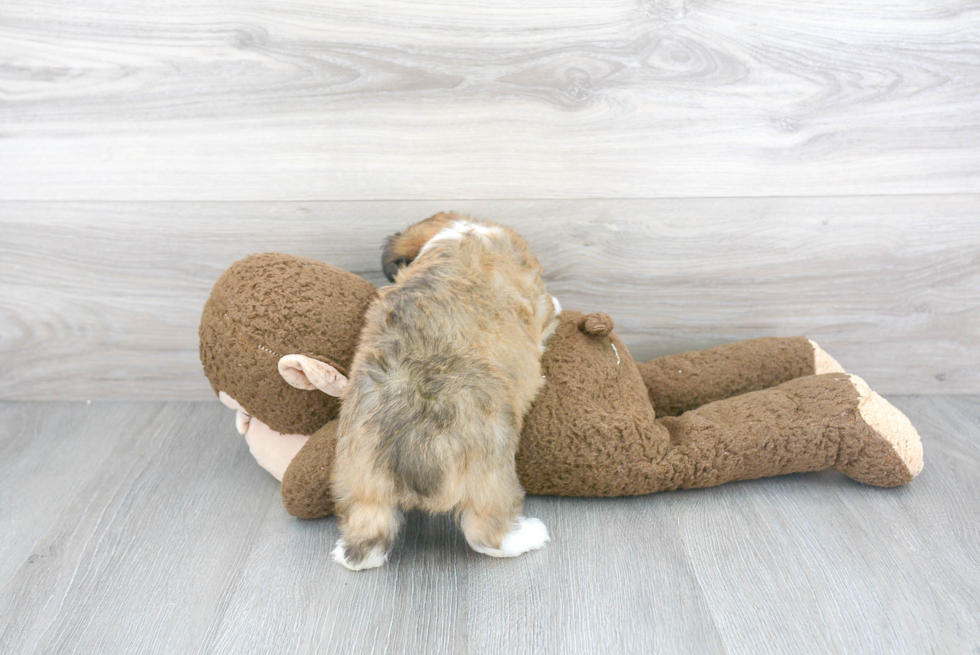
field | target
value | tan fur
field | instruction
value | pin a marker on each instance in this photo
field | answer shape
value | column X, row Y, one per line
column 448, row 364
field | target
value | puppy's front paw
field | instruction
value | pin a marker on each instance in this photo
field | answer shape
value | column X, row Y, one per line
column 371, row 559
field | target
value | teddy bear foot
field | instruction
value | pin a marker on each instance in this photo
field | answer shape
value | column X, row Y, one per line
column 887, row 452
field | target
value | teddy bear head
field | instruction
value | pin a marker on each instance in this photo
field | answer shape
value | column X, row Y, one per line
column 276, row 332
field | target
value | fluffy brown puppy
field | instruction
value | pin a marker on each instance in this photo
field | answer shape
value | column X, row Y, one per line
column 448, row 364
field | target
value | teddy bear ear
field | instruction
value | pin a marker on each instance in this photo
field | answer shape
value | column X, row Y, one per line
column 308, row 373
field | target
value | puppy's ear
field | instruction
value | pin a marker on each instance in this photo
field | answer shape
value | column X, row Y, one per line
column 393, row 258
column 402, row 248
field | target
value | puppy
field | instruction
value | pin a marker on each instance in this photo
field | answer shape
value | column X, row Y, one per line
column 448, row 364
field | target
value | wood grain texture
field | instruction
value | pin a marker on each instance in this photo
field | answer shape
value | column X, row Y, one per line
column 103, row 300
column 312, row 100
column 145, row 527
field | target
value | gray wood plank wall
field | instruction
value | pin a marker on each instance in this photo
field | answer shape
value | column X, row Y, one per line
column 313, row 100
column 702, row 171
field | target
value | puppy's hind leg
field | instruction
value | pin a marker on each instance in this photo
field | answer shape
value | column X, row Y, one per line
column 368, row 532
column 491, row 520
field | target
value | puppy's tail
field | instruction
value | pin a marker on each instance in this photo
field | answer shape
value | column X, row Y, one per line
column 402, row 248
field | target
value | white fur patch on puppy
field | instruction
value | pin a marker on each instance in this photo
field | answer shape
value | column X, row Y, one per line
column 457, row 231
column 554, row 301
column 530, row 534
column 445, row 234
column 374, row 559
column 466, row 227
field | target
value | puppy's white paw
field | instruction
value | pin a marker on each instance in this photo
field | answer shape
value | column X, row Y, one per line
column 373, row 560
column 530, row 534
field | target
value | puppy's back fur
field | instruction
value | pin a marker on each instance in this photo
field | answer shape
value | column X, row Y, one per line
column 448, row 365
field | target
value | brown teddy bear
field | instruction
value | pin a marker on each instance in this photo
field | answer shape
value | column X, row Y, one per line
column 279, row 332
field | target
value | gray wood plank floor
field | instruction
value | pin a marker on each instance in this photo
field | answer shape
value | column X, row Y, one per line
column 144, row 527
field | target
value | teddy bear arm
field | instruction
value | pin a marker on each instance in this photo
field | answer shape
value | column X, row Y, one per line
column 807, row 424
column 686, row 381
column 306, row 488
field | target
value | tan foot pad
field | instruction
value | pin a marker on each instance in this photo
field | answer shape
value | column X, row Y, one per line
column 889, row 452
column 822, row 362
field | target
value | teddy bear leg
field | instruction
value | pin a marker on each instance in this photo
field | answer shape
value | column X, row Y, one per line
column 807, row 424
column 686, row 381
